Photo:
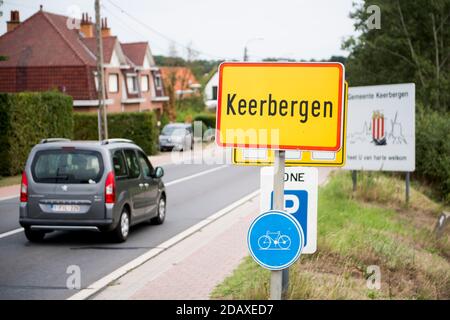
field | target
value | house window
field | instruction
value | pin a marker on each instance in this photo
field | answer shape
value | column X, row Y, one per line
column 144, row 84
column 113, row 83
column 132, row 84
column 96, row 80
column 214, row 93
column 158, row 82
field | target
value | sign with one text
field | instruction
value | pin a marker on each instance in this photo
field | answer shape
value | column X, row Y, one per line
column 381, row 128
column 300, row 199
column 280, row 105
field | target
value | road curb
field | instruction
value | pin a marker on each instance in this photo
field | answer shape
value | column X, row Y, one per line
column 99, row 285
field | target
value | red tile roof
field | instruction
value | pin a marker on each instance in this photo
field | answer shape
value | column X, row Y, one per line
column 108, row 46
column 43, row 53
column 135, row 52
column 44, row 40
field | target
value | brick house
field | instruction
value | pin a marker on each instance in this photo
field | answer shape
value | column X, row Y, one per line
column 45, row 52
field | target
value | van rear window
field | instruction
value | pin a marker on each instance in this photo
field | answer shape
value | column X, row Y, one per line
column 67, row 166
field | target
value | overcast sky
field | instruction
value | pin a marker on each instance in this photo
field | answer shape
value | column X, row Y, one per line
column 297, row 29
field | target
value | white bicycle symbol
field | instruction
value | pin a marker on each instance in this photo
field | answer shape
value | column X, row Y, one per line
column 274, row 241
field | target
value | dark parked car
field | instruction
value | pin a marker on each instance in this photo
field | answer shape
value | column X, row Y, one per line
column 105, row 186
column 178, row 136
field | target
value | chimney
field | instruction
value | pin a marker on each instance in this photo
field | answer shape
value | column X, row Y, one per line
column 86, row 26
column 14, row 21
column 106, row 32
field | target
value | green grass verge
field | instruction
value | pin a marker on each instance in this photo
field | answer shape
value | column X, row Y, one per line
column 372, row 226
column 9, row 181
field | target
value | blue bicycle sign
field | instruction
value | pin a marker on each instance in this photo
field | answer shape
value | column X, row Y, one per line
column 275, row 240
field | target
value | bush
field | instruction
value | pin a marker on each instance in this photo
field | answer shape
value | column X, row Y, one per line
column 194, row 103
column 209, row 119
column 164, row 120
column 137, row 126
column 433, row 150
column 25, row 119
column 188, row 107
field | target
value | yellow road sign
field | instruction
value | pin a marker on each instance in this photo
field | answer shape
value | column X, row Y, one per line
column 265, row 157
column 280, row 105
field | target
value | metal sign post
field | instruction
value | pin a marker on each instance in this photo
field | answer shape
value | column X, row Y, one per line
column 354, row 179
column 276, row 280
column 407, row 180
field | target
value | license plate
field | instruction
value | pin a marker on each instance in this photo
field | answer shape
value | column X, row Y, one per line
column 65, row 208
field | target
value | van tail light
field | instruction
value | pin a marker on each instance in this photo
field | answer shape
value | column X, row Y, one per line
column 24, row 188
column 110, row 188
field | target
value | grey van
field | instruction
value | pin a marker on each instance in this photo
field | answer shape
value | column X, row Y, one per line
column 104, row 186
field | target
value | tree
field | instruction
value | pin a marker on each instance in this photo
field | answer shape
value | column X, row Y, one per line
column 164, row 61
column 169, row 81
column 412, row 45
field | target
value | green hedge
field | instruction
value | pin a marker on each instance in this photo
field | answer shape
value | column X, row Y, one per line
column 209, row 119
column 433, row 150
column 193, row 103
column 137, row 126
column 25, row 119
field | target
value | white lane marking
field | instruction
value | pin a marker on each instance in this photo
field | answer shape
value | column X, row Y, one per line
column 170, row 183
column 9, row 197
column 106, row 280
column 10, row 233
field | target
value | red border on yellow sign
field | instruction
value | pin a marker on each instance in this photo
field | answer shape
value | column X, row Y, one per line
column 282, row 64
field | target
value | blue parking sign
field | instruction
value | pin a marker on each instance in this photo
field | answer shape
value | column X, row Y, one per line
column 296, row 203
column 300, row 199
column 275, row 240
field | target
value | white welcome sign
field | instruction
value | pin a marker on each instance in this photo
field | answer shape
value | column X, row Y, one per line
column 381, row 128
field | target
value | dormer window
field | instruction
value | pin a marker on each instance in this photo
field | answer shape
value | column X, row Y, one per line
column 158, row 82
column 144, row 83
column 113, row 83
column 132, row 83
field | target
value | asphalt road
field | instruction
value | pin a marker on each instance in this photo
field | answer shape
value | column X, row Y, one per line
column 38, row 271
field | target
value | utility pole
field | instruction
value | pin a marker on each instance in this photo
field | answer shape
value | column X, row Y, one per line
column 246, row 45
column 102, row 117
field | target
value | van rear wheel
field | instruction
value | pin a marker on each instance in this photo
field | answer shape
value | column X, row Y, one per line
column 120, row 233
column 161, row 208
column 34, row 235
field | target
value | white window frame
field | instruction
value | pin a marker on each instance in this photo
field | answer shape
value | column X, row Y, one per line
column 158, row 81
column 96, row 80
column 145, row 83
column 133, row 88
column 116, row 83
